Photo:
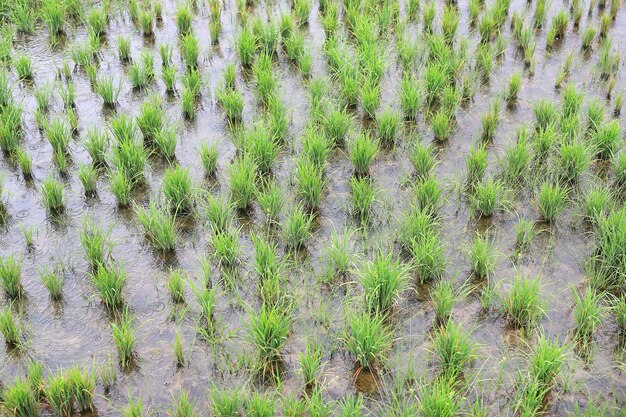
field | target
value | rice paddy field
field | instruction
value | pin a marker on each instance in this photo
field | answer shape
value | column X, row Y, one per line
column 312, row 207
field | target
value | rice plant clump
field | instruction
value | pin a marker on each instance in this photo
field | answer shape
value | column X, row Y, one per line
column 524, row 306
column 368, row 339
column 158, row 225
column 383, row 280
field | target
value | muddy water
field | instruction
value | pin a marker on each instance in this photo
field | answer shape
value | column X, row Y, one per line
column 77, row 330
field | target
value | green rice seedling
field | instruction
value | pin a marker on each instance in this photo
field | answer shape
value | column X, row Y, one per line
column 557, row 27
column 230, row 76
column 267, row 36
column 168, row 74
column 52, row 194
column 53, row 282
column 311, row 363
column 428, row 194
column 606, row 265
column 226, row 246
column 547, row 360
column 574, row 158
column 619, row 309
column 6, row 93
column 490, row 120
column 362, row 151
column 134, row 408
column 619, row 168
column 606, row 138
column 123, row 48
column 588, row 314
column 387, row 123
column 595, row 114
column 159, row 226
column 176, row 285
column 367, row 339
column 121, row 186
column 383, row 280
column 513, row 87
column 206, row 300
column 177, row 348
column 270, row 197
column 338, row 253
column 225, row 403
column 23, row 66
column 260, row 405
column 608, row 61
column 215, row 26
column 184, row 18
column 66, row 91
column 9, row 327
column 108, row 91
column 618, row 103
column 124, row 338
column 150, row 119
column 545, row 114
column 370, row 99
column 188, row 102
column 315, row 147
column 87, row 175
column 97, row 20
column 52, row 13
column 209, row 156
column 182, row 406
column 108, row 374
column 415, row 225
column 595, row 203
column 454, row 349
column 310, row 182
column 524, row 233
column 422, row 159
column 19, row 399
column 11, row 130
column 178, row 189
column 571, row 100
column 524, row 306
column 442, row 126
column 451, row 99
column 22, row 14
column 146, row 21
column 410, row 97
column 27, row 232
column 242, row 174
column 428, row 257
column 551, row 200
column 336, row 125
column 267, row 332
column 362, row 195
column 190, row 49
column 516, row 161
column 587, row 36
column 59, row 392
column 443, row 297
column 165, row 52
column 261, row 147
column 219, row 213
column 232, row 103
column 476, row 163
column 110, row 283
column 297, row 227
column 265, row 261
column 96, row 145
column 84, row 385
column 58, row 134
column 165, row 142
column 246, row 45
column 483, row 257
column 25, row 163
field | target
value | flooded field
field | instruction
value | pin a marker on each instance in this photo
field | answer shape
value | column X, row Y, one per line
column 312, row 207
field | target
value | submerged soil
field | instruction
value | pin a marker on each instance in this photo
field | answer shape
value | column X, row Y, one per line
column 77, row 330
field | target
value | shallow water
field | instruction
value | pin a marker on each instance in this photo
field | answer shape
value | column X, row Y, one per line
column 77, row 330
